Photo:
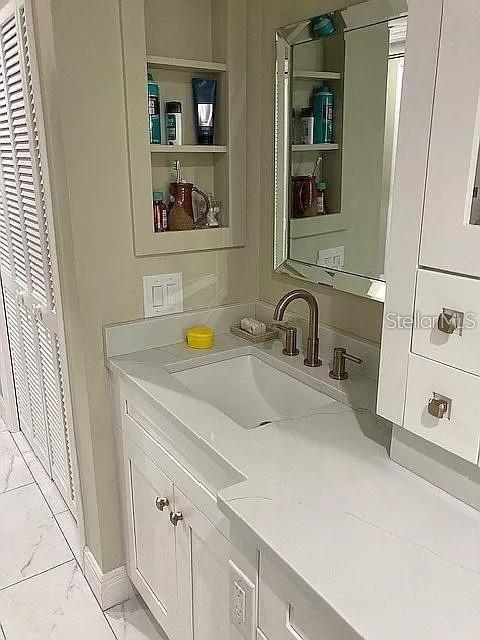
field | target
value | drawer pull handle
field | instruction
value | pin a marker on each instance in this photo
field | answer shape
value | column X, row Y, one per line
column 161, row 503
column 448, row 321
column 176, row 517
column 437, row 408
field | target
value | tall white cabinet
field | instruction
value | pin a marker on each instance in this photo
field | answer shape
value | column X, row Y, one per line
column 430, row 364
column 27, row 256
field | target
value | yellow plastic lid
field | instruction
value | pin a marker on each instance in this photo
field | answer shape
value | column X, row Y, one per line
column 200, row 337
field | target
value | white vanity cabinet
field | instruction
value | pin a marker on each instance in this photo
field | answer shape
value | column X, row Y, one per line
column 429, row 381
column 451, row 226
column 177, row 558
column 151, row 537
column 286, row 610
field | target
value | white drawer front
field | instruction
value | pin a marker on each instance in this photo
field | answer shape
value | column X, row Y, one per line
column 440, row 293
column 287, row 612
column 459, row 432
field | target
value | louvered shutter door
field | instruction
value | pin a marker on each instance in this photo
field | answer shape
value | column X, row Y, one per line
column 27, row 263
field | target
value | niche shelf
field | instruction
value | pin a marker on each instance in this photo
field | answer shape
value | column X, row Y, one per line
column 317, row 75
column 180, row 64
column 212, row 43
column 317, row 225
column 187, row 148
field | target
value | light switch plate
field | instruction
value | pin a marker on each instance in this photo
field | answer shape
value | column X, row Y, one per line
column 162, row 294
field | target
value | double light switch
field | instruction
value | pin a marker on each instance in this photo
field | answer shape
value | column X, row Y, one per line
column 162, row 294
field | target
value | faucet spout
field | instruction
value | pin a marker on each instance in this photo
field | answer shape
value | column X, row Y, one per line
column 312, row 359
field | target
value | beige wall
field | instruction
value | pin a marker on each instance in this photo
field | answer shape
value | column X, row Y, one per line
column 94, row 230
column 109, row 278
column 349, row 313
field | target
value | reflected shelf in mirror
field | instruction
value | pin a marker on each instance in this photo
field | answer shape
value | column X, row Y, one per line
column 310, row 148
column 317, row 75
column 338, row 92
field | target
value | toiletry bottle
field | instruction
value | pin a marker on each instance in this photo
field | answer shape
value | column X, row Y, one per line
column 204, row 98
column 321, row 198
column 323, row 116
column 173, row 117
column 160, row 222
column 153, row 110
column 307, row 125
column 322, row 26
column 213, row 211
column 294, row 125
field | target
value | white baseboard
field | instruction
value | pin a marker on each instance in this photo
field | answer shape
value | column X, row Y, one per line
column 110, row 588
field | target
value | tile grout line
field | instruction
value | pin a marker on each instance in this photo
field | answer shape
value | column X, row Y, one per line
column 35, row 575
column 54, row 515
column 20, row 486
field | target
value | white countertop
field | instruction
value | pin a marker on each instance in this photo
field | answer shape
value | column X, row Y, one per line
column 396, row 557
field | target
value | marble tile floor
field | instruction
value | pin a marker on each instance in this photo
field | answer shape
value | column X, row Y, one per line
column 43, row 593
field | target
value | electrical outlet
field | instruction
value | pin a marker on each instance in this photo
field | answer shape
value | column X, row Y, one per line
column 333, row 258
column 162, row 294
column 242, row 602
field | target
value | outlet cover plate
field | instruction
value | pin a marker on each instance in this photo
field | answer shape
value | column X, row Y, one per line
column 242, row 602
column 162, row 294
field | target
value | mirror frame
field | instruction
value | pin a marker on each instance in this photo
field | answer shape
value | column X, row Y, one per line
column 286, row 38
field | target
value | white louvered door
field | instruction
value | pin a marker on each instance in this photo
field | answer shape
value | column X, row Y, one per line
column 27, row 257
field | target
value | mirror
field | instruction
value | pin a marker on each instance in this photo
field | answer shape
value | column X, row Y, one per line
column 338, row 93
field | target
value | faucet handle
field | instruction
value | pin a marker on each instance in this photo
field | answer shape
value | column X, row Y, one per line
column 291, row 339
column 338, row 371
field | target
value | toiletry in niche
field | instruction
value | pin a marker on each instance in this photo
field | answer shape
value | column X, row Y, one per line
column 323, row 115
column 213, row 213
column 304, row 196
column 173, row 122
column 321, row 198
column 307, row 125
column 160, row 218
column 153, row 110
column 181, row 216
column 322, row 26
column 204, row 101
column 294, row 124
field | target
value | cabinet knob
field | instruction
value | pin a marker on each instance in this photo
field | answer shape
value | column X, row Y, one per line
column 448, row 322
column 161, row 503
column 176, row 517
column 437, row 408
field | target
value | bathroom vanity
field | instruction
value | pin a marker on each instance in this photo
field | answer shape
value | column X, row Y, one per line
column 262, row 499
column 260, row 502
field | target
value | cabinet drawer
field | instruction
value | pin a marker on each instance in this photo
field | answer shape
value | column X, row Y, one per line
column 457, row 432
column 287, row 612
column 457, row 299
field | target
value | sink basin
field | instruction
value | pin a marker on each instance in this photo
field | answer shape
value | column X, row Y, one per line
column 252, row 392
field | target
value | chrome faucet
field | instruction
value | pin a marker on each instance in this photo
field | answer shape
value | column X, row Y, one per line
column 312, row 359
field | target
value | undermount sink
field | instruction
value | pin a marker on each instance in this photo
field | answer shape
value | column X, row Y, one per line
column 252, row 392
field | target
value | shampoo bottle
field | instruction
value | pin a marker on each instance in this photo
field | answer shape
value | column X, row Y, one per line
column 204, row 99
column 153, row 110
column 323, row 116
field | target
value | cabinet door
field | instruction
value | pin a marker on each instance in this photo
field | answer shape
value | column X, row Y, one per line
column 451, row 227
column 151, row 536
column 203, row 575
